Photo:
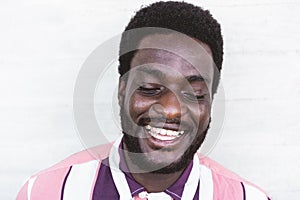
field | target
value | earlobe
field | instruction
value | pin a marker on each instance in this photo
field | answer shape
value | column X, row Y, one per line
column 121, row 91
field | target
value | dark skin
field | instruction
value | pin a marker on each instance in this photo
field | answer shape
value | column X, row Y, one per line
column 164, row 85
column 155, row 182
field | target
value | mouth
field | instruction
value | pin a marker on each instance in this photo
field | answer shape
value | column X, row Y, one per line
column 163, row 134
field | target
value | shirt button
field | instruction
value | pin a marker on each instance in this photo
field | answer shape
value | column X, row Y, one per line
column 143, row 195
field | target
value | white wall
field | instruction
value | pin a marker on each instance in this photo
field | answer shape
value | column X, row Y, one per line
column 44, row 44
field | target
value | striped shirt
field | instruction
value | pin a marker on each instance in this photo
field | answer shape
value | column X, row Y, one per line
column 87, row 175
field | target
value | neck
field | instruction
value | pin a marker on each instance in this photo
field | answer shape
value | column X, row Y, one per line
column 152, row 182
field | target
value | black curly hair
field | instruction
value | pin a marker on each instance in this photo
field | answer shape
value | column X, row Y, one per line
column 182, row 17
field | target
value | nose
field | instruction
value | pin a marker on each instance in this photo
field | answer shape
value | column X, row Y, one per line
column 170, row 106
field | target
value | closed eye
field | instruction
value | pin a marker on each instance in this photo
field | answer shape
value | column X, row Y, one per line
column 193, row 97
column 149, row 91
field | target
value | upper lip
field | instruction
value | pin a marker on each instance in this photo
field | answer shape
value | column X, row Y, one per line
column 174, row 124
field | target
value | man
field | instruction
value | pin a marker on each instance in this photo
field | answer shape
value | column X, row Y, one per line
column 170, row 57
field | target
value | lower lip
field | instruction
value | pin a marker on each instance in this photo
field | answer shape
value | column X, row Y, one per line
column 154, row 142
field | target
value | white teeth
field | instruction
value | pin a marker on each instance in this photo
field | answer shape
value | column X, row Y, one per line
column 148, row 127
column 169, row 132
column 164, row 137
column 163, row 134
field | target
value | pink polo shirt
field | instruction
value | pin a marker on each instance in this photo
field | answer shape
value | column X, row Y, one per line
column 87, row 175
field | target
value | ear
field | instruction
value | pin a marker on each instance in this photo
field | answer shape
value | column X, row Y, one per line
column 121, row 91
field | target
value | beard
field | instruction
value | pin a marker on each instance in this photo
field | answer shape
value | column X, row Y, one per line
column 139, row 158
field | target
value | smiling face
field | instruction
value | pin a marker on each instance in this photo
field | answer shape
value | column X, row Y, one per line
column 165, row 103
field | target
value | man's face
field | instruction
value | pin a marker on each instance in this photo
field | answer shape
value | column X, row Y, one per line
column 165, row 103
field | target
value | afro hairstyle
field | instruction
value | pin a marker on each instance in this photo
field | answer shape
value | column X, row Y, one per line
column 182, row 17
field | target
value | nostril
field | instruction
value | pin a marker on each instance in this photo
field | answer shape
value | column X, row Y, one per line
column 168, row 111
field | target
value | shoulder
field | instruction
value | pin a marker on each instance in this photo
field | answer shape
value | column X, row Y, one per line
column 228, row 184
column 49, row 183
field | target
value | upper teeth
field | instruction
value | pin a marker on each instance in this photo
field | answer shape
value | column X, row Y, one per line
column 159, row 132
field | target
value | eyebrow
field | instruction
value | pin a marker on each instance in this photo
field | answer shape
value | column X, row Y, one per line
column 152, row 72
column 158, row 73
column 195, row 78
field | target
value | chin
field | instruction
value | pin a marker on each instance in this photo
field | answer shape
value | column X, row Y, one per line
column 140, row 159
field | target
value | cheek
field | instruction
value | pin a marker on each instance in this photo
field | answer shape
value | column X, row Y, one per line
column 202, row 114
column 138, row 106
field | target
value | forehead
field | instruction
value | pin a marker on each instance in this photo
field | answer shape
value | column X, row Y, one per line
column 179, row 53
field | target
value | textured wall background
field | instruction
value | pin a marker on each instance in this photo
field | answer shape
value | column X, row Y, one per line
column 44, row 43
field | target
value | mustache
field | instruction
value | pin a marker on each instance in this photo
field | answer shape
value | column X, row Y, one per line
column 152, row 120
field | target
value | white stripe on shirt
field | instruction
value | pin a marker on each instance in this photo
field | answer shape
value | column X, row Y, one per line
column 206, row 190
column 253, row 193
column 30, row 185
column 80, row 181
